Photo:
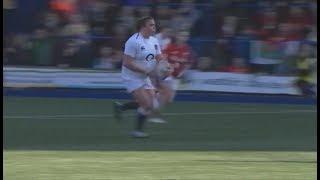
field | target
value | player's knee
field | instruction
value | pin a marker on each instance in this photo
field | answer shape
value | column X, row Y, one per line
column 150, row 106
column 147, row 106
column 169, row 97
column 155, row 103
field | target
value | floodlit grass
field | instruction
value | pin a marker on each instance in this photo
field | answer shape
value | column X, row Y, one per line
column 76, row 165
column 74, row 139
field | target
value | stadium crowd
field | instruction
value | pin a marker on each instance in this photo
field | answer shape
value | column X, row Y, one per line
column 91, row 33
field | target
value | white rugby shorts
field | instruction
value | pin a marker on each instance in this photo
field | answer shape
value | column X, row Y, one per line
column 133, row 84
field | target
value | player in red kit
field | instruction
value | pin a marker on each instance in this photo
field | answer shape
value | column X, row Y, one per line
column 179, row 54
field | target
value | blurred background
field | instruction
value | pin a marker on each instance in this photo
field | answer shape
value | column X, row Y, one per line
column 276, row 38
column 245, row 110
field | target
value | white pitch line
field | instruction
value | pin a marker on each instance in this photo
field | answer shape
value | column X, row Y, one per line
column 63, row 116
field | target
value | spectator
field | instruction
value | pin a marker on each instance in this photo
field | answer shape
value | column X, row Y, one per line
column 222, row 52
column 238, row 65
column 96, row 14
column 164, row 37
column 289, row 41
column 283, row 24
column 241, row 42
column 205, row 64
column 65, row 8
column 299, row 19
column 304, row 68
column 119, row 36
column 51, row 22
column 127, row 18
column 180, row 21
column 229, row 26
column 112, row 11
column 312, row 35
column 84, row 55
column 68, row 54
column 106, row 59
column 42, row 48
column 76, row 27
column 267, row 22
column 143, row 11
column 189, row 9
column 163, row 14
column 18, row 50
column 8, row 50
column 76, row 53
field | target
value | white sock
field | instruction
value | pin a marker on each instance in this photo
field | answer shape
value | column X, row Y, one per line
column 142, row 111
column 156, row 103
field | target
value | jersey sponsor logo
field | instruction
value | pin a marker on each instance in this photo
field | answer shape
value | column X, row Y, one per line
column 142, row 48
column 149, row 57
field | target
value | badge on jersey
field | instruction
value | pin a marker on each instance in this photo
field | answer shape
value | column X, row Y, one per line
column 149, row 57
column 156, row 47
column 142, row 48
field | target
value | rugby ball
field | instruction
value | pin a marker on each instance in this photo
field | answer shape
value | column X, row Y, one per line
column 163, row 69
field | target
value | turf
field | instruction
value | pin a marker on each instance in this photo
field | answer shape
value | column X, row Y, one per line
column 94, row 165
column 53, row 138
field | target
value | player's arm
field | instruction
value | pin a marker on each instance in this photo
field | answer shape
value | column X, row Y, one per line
column 163, row 57
column 159, row 55
column 129, row 63
column 130, row 52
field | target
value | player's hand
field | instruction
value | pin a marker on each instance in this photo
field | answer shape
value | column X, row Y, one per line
column 152, row 74
column 167, row 70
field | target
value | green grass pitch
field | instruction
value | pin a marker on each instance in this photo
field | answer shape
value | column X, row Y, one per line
column 78, row 139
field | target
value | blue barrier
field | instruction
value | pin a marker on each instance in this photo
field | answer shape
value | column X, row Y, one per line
column 181, row 95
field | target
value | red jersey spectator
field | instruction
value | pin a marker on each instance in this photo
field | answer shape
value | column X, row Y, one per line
column 64, row 8
column 299, row 18
column 267, row 22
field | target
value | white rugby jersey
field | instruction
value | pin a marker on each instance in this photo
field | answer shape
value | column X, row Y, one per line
column 143, row 52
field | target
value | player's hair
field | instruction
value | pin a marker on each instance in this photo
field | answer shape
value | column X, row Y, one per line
column 142, row 22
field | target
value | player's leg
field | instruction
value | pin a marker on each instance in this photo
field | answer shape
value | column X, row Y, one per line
column 144, row 99
column 159, row 103
column 155, row 115
column 118, row 108
column 129, row 105
column 165, row 95
column 137, row 88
